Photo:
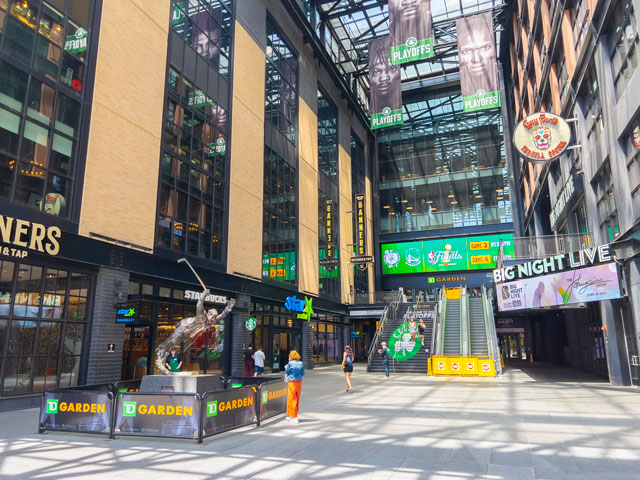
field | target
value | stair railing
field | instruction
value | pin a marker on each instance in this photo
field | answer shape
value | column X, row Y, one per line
column 441, row 319
column 490, row 328
column 390, row 311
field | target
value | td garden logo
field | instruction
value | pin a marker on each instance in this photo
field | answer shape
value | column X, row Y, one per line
column 129, row 409
column 52, row 406
column 212, row 409
column 265, row 397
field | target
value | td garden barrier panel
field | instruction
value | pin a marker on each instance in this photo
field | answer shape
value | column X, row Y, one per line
column 273, row 399
column 235, row 382
column 82, row 411
column 228, row 409
column 175, row 415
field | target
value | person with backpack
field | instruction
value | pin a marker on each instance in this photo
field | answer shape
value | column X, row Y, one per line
column 384, row 353
column 347, row 366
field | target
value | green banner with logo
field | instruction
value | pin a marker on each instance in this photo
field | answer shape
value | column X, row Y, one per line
column 387, row 118
column 411, row 51
column 481, row 101
column 445, row 254
column 78, row 42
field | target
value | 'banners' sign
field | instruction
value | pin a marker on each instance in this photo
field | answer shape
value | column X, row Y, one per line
column 479, row 80
column 542, row 137
column 20, row 236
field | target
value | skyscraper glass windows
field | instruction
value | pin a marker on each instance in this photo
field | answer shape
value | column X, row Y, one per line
column 443, row 168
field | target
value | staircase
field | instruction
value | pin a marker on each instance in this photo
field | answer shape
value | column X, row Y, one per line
column 452, row 328
column 415, row 364
column 478, row 332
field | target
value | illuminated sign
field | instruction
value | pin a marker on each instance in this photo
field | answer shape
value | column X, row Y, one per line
column 555, row 263
column 445, row 254
column 22, row 235
column 126, row 314
column 361, row 239
column 330, row 262
column 588, row 284
column 304, row 306
column 542, row 137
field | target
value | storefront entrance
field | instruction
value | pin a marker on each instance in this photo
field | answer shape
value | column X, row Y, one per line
column 135, row 352
column 512, row 346
column 282, row 343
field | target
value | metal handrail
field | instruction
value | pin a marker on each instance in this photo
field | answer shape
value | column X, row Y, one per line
column 442, row 305
column 492, row 335
column 392, row 307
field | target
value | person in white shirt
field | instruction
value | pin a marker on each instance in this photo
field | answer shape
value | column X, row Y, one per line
column 258, row 359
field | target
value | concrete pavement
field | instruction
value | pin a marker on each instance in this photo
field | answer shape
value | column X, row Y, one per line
column 529, row 424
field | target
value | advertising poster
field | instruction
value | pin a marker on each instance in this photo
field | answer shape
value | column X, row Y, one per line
column 445, row 255
column 273, row 399
column 228, row 409
column 589, row 284
column 171, row 415
column 77, row 411
column 479, row 80
column 281, row 266
column 384, row 80
column 411, row 30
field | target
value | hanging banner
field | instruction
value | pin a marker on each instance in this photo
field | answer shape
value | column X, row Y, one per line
column 76, row 411
column 386, row 91
column 330, row 262
column 228, row 409
column 411, row 31
column 479, row 79
column 542, row 137
column 171, row 415
column 590, row 284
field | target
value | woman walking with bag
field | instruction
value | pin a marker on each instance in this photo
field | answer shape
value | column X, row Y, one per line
column 294, row 371
column 347, row 366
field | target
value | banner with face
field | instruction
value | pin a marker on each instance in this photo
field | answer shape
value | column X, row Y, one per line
column 478, row 62
column 386, row 90
column 411, row 30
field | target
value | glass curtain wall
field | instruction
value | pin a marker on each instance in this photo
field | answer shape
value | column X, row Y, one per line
column 327, row 339
column 443, row 168
column 328, row 219
column 358, row 185
column 43, row 58
column 43, row 317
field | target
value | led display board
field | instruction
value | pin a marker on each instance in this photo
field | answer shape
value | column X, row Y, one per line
column 445, row 254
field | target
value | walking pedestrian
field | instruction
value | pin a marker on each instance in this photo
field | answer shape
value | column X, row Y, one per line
column 347, row 366
column 384, row 353
column 422, row 328
column 294, row 371
column 413, row 329
column 248, row 362
column 258, row 360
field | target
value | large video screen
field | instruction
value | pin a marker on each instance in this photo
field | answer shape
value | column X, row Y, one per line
column 445, row 254
column 589, row 284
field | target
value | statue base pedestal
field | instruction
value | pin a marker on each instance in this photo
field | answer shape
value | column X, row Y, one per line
column 180, row 383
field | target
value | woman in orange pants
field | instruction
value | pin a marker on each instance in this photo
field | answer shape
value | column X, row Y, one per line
column 294, row 370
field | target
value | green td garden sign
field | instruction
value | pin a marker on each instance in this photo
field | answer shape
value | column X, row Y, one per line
column 401, row 346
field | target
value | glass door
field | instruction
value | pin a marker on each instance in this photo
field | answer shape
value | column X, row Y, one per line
column 135, row 352
column 283, row 342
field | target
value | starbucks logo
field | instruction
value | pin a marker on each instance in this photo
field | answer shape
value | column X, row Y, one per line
column 480, row 93
column 412, row 42
column 386, row 111
column 250, row 324
column 391, row 258
column 401, row 346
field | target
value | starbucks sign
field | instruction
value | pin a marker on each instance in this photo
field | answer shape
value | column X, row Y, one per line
column 250, row 324
column 401, row 347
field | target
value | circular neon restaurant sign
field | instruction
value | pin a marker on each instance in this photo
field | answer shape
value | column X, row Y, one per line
column 542, row 137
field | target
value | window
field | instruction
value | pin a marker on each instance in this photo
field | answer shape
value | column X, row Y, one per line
column 192, row 197
column 281, row 95
column 592, row 106
column 607, row 213
column 279, row 223
column 327, row 136
column 206, row 26
column 624, row 45
column 43, row 312
column 631, row 144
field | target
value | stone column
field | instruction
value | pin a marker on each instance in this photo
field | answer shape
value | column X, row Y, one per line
column 241, row 337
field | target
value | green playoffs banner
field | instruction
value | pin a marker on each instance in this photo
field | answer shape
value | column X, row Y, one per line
column 403, row 343
column 421, row 311
column 384, row 80
column 410, row 28
column 77, row 411
column 479, row 80
column 171, row 415
column 228, row 409
column 446, row 254
column 273, row 399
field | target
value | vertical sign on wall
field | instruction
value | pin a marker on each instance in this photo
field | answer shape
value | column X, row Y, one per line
column 384, row 79
column 479, row 79
column 360, row 225
column 410, row 28
column 330, row 262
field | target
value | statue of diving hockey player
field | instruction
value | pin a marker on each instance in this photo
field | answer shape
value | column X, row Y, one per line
column 189, row 328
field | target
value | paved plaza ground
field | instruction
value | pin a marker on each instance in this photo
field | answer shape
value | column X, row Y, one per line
column 533, row 423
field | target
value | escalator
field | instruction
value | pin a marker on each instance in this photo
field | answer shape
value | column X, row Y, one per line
column 452, row 331
column 477, row 327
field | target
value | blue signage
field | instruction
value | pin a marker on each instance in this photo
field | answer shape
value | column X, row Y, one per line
column 126, row 315
column 303, row 306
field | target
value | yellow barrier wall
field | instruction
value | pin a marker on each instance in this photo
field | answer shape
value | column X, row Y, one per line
column 472, row 366
column 439, row 365
column 454, row 365
column 486, row 367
